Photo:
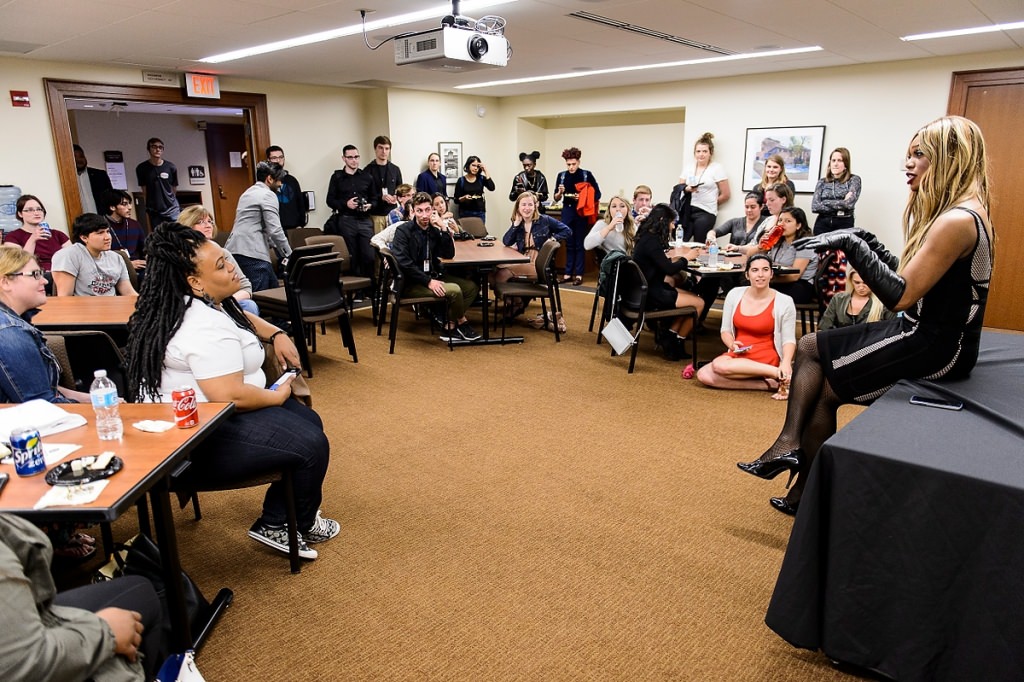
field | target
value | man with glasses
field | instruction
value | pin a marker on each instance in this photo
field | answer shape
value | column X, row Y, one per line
column 292, row 202
column 158, row 179
column 126, row 234
column 351, row 195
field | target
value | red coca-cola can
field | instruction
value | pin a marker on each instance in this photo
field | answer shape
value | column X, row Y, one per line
column 186, row 412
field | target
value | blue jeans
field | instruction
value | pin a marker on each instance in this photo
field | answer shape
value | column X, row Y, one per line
column 261, row 441
column 574, row 251
column 260, row 272
column 248, row 305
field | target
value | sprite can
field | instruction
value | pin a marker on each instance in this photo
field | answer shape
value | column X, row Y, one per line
column 28, row 452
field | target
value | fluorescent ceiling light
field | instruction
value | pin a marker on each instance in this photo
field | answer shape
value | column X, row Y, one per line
column 965, row 31
column 642, row 67
column 435, row 12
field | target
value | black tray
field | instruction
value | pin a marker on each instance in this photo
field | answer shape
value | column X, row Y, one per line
column 63, row 475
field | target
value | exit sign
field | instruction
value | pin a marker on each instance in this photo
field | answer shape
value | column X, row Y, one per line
column 202, row 85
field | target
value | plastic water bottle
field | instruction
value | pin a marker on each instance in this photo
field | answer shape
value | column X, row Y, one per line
column 712, row 253
column 679, row 235
column 103, row 394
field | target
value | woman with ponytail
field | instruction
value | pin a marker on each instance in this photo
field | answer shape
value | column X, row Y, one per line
column 188, row 329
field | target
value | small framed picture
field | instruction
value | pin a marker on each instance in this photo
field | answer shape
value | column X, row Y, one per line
column 451, row 160
column 799, row 147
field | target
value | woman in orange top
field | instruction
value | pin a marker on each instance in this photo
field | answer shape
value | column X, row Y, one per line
column 759, row 329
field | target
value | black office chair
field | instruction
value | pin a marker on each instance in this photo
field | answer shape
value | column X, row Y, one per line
column 314, row 295
column 85, row 352
column 631, row 301
column 394, row 296
column 545, row 288
column 349, row 283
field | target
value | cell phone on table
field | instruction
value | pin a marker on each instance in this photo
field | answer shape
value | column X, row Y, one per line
column 941, row 403
column 285, row 378
column 3, row 481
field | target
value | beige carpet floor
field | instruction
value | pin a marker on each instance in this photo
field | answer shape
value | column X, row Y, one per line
column 527, row 512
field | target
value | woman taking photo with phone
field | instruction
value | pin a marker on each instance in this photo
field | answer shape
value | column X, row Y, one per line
column 940, row 284
column 187, row 330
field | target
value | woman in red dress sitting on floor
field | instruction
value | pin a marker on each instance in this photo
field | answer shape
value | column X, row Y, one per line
column 759, row 329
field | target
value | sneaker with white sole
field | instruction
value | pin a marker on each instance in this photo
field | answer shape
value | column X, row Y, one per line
column 277, row 537
column 322, row 530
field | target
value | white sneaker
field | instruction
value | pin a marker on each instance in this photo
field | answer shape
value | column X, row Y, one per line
column 322, row 530
column 277, row 537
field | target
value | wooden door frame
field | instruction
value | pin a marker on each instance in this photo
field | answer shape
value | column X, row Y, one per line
column 58, row 91
column 963, row 81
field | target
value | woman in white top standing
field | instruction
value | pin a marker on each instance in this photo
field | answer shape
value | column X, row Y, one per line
column 706, row 183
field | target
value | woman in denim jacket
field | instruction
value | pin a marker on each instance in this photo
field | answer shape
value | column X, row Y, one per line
column 28, row 370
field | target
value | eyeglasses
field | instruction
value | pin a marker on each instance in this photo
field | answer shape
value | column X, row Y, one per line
column 349, row 156
column 156, row 146
column 32, row 210
column 34, row 274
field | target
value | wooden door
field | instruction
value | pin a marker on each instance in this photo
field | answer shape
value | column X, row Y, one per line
column 231, row 170
column 994, row 100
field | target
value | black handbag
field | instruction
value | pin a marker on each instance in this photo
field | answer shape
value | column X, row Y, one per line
column 139, row 556
column 333, row 224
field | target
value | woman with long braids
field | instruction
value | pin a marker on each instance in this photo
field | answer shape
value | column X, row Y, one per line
column 940, row 283
column 187, row 329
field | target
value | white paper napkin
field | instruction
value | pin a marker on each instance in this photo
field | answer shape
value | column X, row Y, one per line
column 153, row 425
column 71, row 495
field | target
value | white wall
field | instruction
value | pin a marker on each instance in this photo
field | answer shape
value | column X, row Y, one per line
column 872, row 109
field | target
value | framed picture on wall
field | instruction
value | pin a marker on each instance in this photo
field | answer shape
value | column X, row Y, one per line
column 800, row 148
column 451, row 160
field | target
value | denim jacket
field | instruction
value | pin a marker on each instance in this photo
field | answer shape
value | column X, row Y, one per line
column 543, row 229
column 28, row 370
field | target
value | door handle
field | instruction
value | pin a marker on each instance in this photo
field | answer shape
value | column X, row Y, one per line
column 220, row 190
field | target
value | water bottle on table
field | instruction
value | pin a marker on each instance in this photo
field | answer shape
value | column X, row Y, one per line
column 103, row 394
column 712, row 251
column 679, row 235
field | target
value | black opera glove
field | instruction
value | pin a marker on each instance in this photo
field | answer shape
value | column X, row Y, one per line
column 872, row 267
column 878, row 247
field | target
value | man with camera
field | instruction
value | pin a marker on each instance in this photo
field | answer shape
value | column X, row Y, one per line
column 351, row 195
column 419, row 246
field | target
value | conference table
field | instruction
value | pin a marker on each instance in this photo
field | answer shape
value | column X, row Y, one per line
column 85, row 312
column 485, row 259
column 149, row 460
column 905, row 557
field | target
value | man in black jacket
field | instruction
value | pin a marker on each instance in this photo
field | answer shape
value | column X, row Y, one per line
column 350, row 194
column 291, row 201
column 386, row 179
column 92, row 183
column 419, row 246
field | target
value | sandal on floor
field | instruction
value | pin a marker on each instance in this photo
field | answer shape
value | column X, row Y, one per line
column 577, row 280
column 73, row 552
column 783, row 392
column 566, row 279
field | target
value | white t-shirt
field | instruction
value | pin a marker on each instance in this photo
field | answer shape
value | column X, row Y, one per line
column 705, row 197
column 208, row 345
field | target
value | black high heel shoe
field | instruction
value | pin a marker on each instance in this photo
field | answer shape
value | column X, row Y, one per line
column 770, row 468
column 784, row 505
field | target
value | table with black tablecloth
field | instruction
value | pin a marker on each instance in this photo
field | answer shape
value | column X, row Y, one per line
column 907, row 554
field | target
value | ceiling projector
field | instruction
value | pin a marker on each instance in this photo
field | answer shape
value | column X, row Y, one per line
column 453, row 49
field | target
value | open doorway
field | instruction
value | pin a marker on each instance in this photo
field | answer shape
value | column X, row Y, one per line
column 62, row 94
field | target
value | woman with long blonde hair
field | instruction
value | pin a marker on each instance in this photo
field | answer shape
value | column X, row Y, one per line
column 940, row 284
column 616, row 230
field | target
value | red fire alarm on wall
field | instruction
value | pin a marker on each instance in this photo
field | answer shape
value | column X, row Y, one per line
column 19, row 98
